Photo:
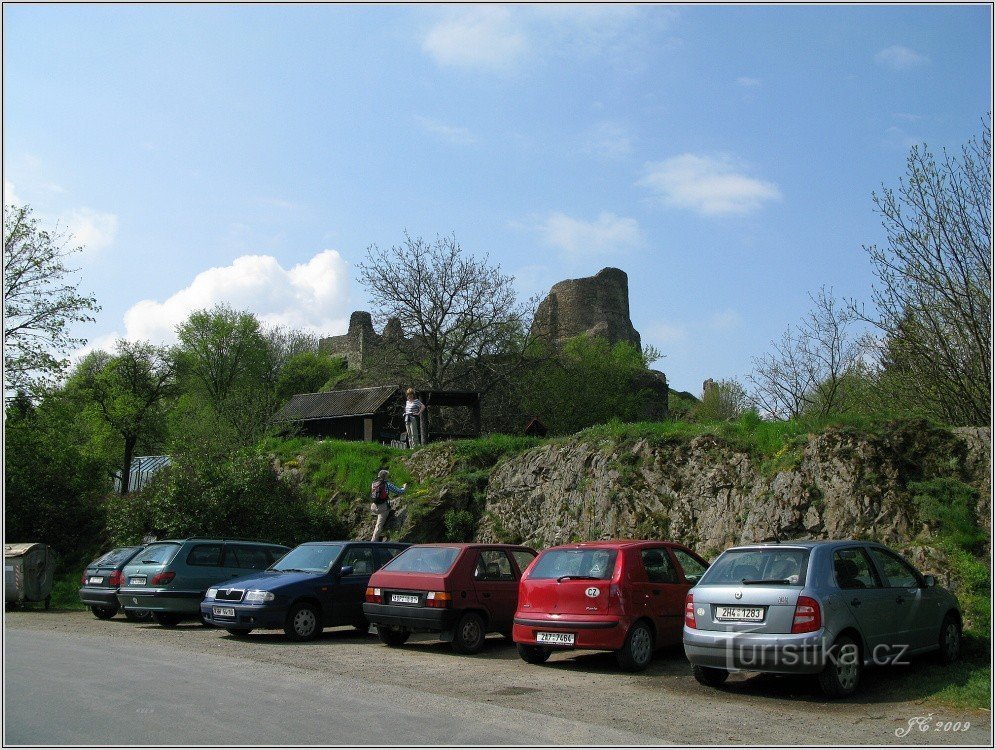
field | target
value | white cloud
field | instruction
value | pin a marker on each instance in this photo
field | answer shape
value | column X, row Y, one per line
column 665, row 333
column 725, row 320
column 899, row 139
column 608, row 140
column 481, row 37
column 453, row 134
column 312, row 296
column 9, row 197
column 607, row 234
column 708, row 185
column 91, row 229
column 748, row 83
column 898, row 57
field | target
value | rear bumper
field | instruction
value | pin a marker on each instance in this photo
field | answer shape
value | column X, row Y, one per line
column 597, row 633
column 803, row 653
column 416, row 619
column 161, row 600
column 99, row 597
column 246, row 616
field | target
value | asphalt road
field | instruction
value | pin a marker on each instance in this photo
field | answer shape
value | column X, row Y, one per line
column 72, row 679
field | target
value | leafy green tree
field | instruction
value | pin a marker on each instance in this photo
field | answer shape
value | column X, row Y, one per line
column 40, row 303
column 307, row 372
column 130, row 391
column 722, row 400
column 590, row 382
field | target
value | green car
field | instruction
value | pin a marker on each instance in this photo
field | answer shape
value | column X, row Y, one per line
column 169, row 578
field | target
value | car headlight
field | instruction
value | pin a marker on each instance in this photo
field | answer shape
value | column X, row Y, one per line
column 258, row 597
column 211, row 594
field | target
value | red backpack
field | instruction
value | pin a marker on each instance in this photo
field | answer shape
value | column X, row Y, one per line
column 378, row 491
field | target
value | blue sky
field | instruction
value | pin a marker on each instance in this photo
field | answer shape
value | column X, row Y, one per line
column 724, row 157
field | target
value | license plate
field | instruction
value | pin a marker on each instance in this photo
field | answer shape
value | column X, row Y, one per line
column 96, row 579
column 404, row 598
column 561, row 639
column 137, row 581
column 743, row 614
column 223, row 611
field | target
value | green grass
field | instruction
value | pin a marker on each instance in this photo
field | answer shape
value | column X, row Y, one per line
column 65, row 591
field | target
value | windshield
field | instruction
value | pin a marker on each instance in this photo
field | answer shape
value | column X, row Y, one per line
column 423, row 560
column 774, row 566
column 593, row 564
column 156, row 554
column 308, row 558
column 114, row 558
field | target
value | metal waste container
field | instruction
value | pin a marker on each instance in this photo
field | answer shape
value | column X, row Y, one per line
column 29, row 569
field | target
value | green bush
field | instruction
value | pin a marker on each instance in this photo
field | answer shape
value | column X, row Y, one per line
column 948, row 506
column 460, row 525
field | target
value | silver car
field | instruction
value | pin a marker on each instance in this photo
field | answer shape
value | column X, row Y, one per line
column 828, row 608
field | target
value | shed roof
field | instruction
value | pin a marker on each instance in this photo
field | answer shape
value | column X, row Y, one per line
column 19, row 548
column 355, row 402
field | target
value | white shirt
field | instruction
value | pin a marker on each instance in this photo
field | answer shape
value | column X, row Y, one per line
column 412, row 407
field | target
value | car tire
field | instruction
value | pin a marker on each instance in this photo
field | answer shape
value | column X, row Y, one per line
column 303, row 622
column 638, row 649
column 468, row 637
column 709, row 676
column 103, row 613
column 392, row 637
column 949, row 640
column 533, row 654
column 138, row 615
column 166, row 619
column 239, row 632
column 842, row 672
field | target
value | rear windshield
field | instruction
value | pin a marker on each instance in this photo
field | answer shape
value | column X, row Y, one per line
column 423, row 560
column 308, row 558
column 773, row 566
column 594, row 564
column 157, row 553
column 113, row 558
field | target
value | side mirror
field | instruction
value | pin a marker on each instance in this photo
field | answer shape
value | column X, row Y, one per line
column 929, row 581
column 346, row 570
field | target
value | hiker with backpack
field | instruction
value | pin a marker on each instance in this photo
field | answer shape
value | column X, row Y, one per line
column 380, row 504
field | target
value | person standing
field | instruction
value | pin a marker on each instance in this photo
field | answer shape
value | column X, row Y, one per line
column 413, row 419
column 380, row 496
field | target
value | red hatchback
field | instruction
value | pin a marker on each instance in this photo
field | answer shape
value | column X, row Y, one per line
column 622, row 596
column 461, row 591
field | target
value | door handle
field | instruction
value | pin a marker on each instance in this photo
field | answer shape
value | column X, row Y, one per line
column 855, row 602
column 900, row 600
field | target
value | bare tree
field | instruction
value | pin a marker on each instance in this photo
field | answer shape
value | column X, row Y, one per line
column 39, row 304
column 933, row 297
column 457, row 316
column 809, row 364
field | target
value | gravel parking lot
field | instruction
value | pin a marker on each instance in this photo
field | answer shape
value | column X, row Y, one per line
column 664, row 702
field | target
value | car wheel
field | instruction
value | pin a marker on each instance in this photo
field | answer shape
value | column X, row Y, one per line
column 469, row 635
column 710, row 676
column 949, row 640
column 303, row 622
column 392, row 637
column 533, row 654
column 842, row 672
column 138, row 615
column 239, row 632
column 103, row 613
column 637, row 649
column 166, row 619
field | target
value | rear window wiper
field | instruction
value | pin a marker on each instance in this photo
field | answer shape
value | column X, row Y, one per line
column 149, row 562
column 752, row 581
column 578, row 578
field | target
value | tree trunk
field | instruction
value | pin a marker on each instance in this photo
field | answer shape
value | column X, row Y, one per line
column 129, row 452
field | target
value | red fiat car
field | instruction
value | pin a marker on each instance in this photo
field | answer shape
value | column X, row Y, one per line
column 622, row 596
column 461, row 591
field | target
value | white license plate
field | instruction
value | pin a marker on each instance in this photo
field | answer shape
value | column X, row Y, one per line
column 137, row 581
column 96, row 579
column 404, row 599
column 742, row 614
column 561, row 639
column 223, row 611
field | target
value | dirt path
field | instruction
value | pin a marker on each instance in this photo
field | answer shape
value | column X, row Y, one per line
column 664, row 702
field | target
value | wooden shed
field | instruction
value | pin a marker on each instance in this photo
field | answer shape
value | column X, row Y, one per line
column 370, row 414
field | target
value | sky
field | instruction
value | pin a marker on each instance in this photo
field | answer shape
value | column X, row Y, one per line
column 723, row 156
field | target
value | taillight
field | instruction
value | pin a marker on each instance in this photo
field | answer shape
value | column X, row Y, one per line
column 162, row 578
column 116, row 578
column 690, row 611
column 373, row 596
column 84, row 578
column 438, row 599
column 807, row 616
column 615, row 601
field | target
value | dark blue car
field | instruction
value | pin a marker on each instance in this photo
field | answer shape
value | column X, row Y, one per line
column 316, row 585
